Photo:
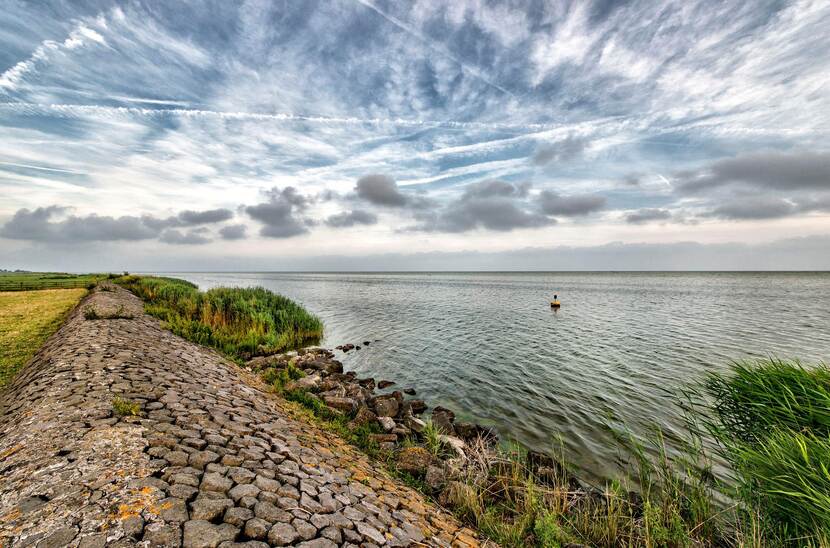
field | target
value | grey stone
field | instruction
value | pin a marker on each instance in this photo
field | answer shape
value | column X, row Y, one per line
column 158, row 535
column 238, row 516
column 58, row 538
column 203, row 534
column 173, row 509
column 208, row 509
column 305, row 530
column 370, row 533
column 213, row 481
column 271, row 513
column 244, row 490
column 257, row 528
column 282, row 534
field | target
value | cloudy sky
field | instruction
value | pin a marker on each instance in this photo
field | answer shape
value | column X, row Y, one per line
column 364, row 134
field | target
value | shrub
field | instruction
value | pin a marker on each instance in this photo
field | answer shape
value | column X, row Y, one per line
column 241, row 322
column 125, row 408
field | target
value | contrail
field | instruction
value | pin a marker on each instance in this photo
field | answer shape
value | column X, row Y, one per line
column 27, row 166
column 77, row 111
column 408, row 29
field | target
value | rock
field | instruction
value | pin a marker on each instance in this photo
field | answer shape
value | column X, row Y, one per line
column 309, row 382
column 386, row 406
column 271, row 513
column 208, row 509
column 417, row 406
column 346, row 405
column 238, row 516
column 383, row 438
column 413, row 423
column 158, row 535
column 203, row 534
column 436, row 477
column 244, row 490
column 370, row 533
column 59, row 538
column 368, row 384
column 409, row 391
column 366, row 343
column 414, row 460
column 364, row 416
column 304, row 529
column 467, row 431
column 282, row 534
column 387, row 423
column 173, row 510
column 456, row 444
column 443, row 418
column 216, row 482
column 385, row 384
column 257, row 528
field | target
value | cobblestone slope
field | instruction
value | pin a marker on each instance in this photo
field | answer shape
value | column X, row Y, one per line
column 212, row 460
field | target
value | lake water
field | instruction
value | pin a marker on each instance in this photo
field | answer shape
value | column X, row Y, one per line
column 488, row 345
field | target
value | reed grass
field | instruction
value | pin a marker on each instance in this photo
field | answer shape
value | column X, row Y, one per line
column 771, row 419
column 240, row 322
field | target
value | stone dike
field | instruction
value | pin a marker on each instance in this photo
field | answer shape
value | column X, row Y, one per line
column 211, row 459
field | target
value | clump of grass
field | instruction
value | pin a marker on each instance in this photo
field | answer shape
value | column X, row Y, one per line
column 771, row 420
column 754, row 398
column 90, row 313
column 124, row 407
column 240, row 322
column 432, row 439
column 279, row 377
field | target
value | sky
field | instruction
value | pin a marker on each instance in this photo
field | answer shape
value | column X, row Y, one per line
column 382, row 135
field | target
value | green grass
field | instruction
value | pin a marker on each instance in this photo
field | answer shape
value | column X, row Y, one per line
column 771, row 420
column 27, row 319
column 27, row 281
column 125, row 408
column 240, row 322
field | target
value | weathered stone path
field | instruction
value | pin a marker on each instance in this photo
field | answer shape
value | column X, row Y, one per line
column 213, row 460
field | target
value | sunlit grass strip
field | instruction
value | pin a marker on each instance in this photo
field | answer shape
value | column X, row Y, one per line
column 241, row 322
column 27, row 318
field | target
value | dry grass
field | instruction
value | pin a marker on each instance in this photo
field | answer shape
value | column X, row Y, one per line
column 27, row 318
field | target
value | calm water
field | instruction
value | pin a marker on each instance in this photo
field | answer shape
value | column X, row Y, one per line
column 488, row 346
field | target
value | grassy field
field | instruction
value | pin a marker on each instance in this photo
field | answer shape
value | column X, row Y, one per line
column 25, row 281
column 27, row 318
column 240, row 322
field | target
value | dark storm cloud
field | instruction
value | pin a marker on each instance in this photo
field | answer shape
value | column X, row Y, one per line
column 764, row 170
column 177, row 237
column 351, row 218
column 382, row 190
column 232, row 232
column 189, row 218
column 281, row 214
column 492, row 205
column 570, row 206
column 561, row 151
column 648, row 214
column 37, row 225
column 40, row 225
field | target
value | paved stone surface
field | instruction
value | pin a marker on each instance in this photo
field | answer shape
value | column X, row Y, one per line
column 212, row 460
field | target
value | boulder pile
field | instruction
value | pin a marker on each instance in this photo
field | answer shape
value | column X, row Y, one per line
column 398, row 422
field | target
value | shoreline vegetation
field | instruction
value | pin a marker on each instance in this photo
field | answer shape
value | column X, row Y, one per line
column 770, row 421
